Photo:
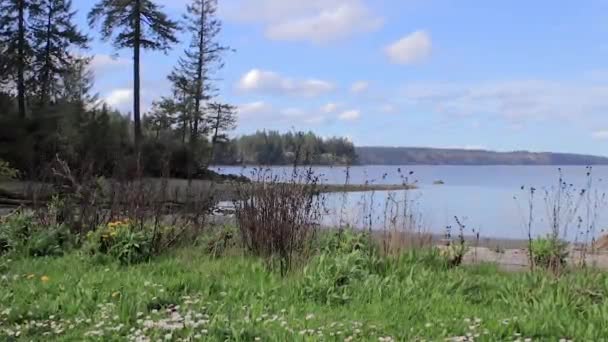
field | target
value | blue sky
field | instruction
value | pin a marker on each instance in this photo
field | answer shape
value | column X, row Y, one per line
column 501, row 75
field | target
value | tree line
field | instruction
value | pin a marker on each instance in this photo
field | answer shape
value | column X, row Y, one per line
column 274, row 148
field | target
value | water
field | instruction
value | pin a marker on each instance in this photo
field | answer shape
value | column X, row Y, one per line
column 486, row 198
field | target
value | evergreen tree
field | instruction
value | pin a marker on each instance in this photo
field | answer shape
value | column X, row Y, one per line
column 15, row 48
column 54, row 38
column 194, row 73
column 77, row 83
column 134, row 24
column 222, row 118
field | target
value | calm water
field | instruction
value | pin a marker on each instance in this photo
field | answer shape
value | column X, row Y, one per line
column 486, row 198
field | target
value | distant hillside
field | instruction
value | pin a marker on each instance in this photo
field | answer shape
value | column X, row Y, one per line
column 435, row 156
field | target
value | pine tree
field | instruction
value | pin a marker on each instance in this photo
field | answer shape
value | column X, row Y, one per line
column 77, row 83
column 222, row 118
column 15, row 48
column 162, row 116
column 134, row 24
column 54, row 38
column 194, row 73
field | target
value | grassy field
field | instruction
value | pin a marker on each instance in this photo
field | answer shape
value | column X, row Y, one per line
column 187, row 295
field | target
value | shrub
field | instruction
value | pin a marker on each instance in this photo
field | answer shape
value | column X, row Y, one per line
column 6, row 171
column 122, row 241
column 15, row 230
column 549, row 253
column 22, row 232
column 52, row 241
column 278, row 219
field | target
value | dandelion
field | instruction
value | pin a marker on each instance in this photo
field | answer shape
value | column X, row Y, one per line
column 45, row 279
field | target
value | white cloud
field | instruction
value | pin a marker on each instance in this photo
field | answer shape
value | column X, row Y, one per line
column 118, row 98
column 253, row 108
column 316, row 21
column 413, row 48
column 514, row 101
column 359, row 87
column 263, row 81
column 104, row 63
column 600, row 135
column 329, row 108
column 350, row 115
column 293, row 112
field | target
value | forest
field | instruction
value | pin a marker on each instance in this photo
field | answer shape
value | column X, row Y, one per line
column 49, row 109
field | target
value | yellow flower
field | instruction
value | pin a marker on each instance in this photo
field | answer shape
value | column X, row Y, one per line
column 45, row 279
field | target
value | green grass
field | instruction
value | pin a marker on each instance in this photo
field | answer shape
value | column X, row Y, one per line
column 237, row 299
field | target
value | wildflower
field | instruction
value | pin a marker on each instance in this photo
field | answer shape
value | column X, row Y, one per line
column 45, row 279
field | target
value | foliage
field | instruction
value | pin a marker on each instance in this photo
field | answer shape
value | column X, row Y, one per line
column 550, row 253
column 122, row 241
column 346, row 258
column 23, row 233
column 6, row 171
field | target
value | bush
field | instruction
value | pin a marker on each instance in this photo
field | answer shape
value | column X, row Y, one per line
column 277, row 219
column 15, row 230
column 6, row 171
column 23, row 233
column 121, row 241
column 52, row 241
column 549, row 253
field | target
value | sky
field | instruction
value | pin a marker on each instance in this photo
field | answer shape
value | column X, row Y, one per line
column 497, row 75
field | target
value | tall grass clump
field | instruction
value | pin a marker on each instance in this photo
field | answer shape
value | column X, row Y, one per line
column 278, row 218
column 571, row 213
column 346, row 260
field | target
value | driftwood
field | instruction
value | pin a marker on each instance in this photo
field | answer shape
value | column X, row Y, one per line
column 15, row 202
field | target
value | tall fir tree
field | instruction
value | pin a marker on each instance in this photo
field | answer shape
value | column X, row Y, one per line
column 15, row 47
column 194, row 73
column 55, row 37
column 134, row 24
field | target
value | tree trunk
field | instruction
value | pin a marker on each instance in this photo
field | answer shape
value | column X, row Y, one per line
column 136, row 85
column 216, row 129
column 21, row 61
column 44, row 94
